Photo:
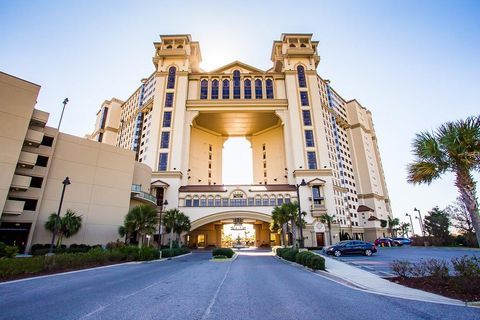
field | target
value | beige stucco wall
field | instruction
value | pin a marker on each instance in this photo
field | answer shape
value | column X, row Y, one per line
column 199, row 157
column 142, row 175
column 17, row 100
column 101, row 176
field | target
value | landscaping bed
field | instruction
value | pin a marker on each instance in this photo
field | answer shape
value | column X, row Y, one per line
column 220, row 254
column 457, row 279
column 305, row 258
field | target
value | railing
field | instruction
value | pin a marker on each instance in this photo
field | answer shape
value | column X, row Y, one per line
column 250, row 202
column 137, row 189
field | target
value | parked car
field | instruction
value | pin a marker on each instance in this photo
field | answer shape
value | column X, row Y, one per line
column 388, row 242
column 405, row 241
column 351, row 247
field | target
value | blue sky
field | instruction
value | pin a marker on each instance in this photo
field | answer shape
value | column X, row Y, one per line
column 414, row 64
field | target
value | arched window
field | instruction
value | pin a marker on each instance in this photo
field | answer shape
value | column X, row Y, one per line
column 218, row 201
column 258, row 200
column 269, row 88
column 226, row 89
column 203, row 201
column 214, row 89
column 287, row 198
column 247, row 87
column 279, row 200
column 236, row 84
column 210, row 201
column 171, row 77
column 292, row 45
column 258, row 89
column 301, row 77
column 265, row 200
column 273, row 201
column 204, row 89
column 188, row 201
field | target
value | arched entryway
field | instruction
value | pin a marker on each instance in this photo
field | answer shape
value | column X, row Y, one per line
column 209, row 231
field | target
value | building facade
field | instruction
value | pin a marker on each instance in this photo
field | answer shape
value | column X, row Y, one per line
column 34, row 160
column 299, row 128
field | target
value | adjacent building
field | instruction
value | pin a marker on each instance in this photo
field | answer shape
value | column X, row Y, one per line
column 34, row 160
column 300, row 130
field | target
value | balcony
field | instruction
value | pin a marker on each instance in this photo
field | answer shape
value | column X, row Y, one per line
column 20, row 183
column 33, row 138
column 138, row 194
column 39, row 118
column 27, row 159
column 13, row 207
column 318, row 207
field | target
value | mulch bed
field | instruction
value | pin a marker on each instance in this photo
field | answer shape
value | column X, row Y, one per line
column 62, row 270
column 450, row 288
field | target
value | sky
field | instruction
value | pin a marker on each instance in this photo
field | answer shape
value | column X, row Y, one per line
column 414, row 64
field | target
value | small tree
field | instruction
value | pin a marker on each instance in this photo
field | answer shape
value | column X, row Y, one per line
column 182, row 224
column 141, row 219
column 325, row 218
column 280, row 219
column 437, row 224
column 462, row 221
column 67, row 226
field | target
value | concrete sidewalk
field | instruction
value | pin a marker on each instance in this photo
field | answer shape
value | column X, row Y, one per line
column 365, row 280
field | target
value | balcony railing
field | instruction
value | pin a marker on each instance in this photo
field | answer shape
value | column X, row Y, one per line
column 250, row 202
column 138, row 194
column 33, row 138
column 27, row 159
column 20, row 182
column 13, row 207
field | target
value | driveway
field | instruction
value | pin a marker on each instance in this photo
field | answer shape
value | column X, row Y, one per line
column 380, row 262
column 254, row 286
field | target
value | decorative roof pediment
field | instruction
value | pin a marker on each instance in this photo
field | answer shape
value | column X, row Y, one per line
column 159, row 184
column 316, row 181
column 237, row 65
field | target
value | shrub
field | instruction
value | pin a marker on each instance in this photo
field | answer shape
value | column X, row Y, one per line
column 228, row 252
column 14, row 267
column 437, row 268
column 314, row 248
column 220, row 257
column 168, row 253
column 402, row 268
column 147, row 253
column 115, row 245
column 280, row 252
column 303, row 257
column 467, row 266
column 316, row 263
column 290, row 254
column 10, row 251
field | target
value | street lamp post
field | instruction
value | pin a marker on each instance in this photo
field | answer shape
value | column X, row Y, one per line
column 65, row 101
column 421, row 221
column 302, row 184
column 411, row 223
column 65, row 183
column 171, row 230
column 160, row 225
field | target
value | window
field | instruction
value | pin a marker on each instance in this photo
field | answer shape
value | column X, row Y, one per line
column 171, row 78
column 226, row 89
column 258, row 201
column 196, row 202
column 251, row 202
column 204, row 89
column 169, row 100
column 162, row 161
column 165, row 139
column 188, row 202
column 312, row 160
column 236, row 84
column 280, row 200
column 273, row 201
column 167, row 119
column 47, row 141
column 247, row 88
column 225, row 202
column 304, row 98
column 42, row 161
column 309, row 138
column 218, row 201
column 269, row 88
column 307, row 119
column 203, row 202
column 265, row 200
column 215, row 89
column 301, row 77
column 100, row 137
column 258, row 89
column 317, row 197
column 210, row 201
column 36, row 182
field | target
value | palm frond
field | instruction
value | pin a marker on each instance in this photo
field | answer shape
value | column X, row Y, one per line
column 423, row 172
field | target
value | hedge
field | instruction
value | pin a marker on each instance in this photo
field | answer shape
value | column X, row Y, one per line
column 168, row 253
column 305, row 258
column 228, row 252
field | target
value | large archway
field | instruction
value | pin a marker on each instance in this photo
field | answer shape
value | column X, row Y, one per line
column 210, row 232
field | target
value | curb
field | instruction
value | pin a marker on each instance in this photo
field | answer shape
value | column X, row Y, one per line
column 233, row 258
column 89, row 269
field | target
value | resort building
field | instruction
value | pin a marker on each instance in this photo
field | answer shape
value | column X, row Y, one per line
column 105, row 181
column 308, row 143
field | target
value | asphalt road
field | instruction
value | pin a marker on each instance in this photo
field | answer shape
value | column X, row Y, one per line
column 255, row 286
column 380, row 262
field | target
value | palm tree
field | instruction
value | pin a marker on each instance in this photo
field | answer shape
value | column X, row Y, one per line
column 141, row 219
column 280, row 218
column 182, row 224
column 404, row 227
column 292, row 211
column 67, row 226
column 325, row 218
column 392, row 223
column 454, row 147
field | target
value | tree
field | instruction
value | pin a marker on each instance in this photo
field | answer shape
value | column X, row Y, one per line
column 182, row 224
column 141, row 219
column 325, row 218
column 461, row 220
column 280, row 219
column 404, row 228
column 454, row 147
column 392, row 223
column 67, row 226
column 437, row 223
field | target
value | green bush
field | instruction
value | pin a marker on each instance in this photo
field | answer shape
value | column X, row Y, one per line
column 228, row 252
column 7, row 251
column 290, row 254
column 303, row 257
column 168, row 253
column 18, row 266
column 316, row 263
column 314, row 248
column 467, row 266
column 147, row 253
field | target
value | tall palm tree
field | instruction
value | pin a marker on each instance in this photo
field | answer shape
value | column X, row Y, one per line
column 182, row 224
column 392, row 223
column 291, row 209
column 141, row 219
column 326, row 218
column 454, row 147
column 404, row 227
column 280, row 219
column 67, row 226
